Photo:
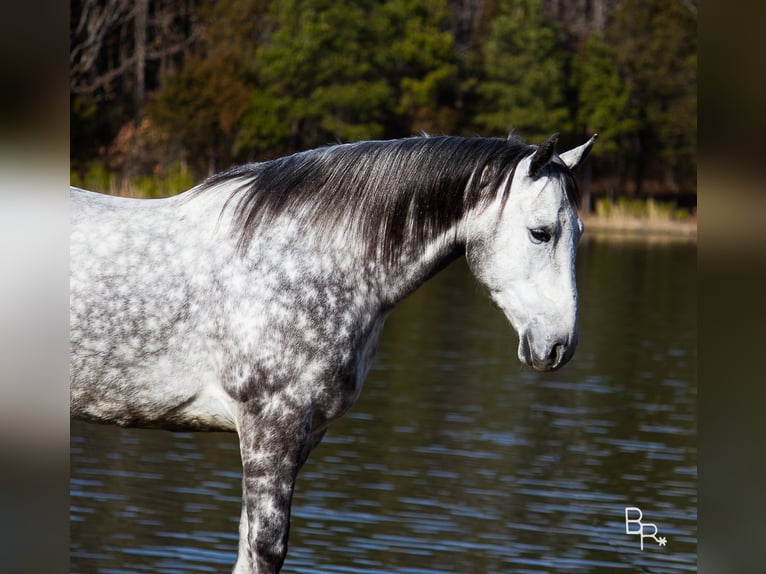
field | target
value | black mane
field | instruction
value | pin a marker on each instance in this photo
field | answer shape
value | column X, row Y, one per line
column 382, row 193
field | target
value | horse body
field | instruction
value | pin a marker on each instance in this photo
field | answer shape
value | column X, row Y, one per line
column 139, row 318
column 249, row 305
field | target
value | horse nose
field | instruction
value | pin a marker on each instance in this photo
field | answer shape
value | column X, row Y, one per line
column 558, row 355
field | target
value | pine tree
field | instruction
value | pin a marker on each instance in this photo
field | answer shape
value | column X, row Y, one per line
column 655, row 48
column 417, row 53
column 524, row 84
column 605, row 105
column 603, row 97
column 316, row 79
column 342, row 70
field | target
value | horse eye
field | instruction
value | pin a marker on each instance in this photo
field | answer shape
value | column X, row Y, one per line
column 540, row 235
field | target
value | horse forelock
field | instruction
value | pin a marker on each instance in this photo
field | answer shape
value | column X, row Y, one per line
column 384, row 196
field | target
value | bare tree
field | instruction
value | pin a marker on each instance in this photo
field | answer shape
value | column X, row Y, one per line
column 140, row 29
column 97, row 20
column 115, row 39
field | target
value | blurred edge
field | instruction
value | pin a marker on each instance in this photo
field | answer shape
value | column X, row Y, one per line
column 732, row 267
column 34, row 253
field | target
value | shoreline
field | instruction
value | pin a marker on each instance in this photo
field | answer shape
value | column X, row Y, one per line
column 640, row 227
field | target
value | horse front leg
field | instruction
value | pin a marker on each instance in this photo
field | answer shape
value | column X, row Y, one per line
column 273, row 448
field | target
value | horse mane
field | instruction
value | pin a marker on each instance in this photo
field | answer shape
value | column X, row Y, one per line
column 382, row 193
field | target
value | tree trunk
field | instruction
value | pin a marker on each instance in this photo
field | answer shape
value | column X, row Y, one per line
column 140, row 26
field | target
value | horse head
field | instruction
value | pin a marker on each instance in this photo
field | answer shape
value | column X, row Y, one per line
column 522, row 248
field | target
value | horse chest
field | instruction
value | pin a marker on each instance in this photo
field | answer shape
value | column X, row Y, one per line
column 318, row 352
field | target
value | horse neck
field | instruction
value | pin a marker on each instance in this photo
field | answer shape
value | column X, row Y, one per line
column 397, row 279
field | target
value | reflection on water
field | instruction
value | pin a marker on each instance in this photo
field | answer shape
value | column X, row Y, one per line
column 455, row 458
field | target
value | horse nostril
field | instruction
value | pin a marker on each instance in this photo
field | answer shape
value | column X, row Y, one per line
column 557, row 352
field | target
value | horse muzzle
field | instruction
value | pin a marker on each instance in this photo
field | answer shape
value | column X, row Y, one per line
column 552, row 354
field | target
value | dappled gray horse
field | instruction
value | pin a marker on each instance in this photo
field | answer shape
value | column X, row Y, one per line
column 253, row 302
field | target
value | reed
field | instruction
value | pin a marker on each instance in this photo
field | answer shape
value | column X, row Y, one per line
column 172, row 180
column 626, row 214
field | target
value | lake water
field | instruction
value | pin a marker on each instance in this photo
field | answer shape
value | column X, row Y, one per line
column 455, row 458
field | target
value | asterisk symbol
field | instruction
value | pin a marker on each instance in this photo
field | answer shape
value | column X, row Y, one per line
column 662, row 541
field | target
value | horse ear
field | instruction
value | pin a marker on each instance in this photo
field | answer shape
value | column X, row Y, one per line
column 543, row 155
column 574, row 157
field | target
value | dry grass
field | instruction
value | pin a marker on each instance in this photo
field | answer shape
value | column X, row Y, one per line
column 638, row 216
column 175, row 179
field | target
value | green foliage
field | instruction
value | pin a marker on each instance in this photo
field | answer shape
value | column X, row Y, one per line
column 420, row 61
column 655, row 48
column 263, row 77
column 343, row 71
column 96, row 178
column 524, row 84
column 315, row 78
column 604, row 97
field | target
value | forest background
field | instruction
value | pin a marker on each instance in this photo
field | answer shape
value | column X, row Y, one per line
column 164, row 93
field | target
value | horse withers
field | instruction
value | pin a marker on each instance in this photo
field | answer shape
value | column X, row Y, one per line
column 253, row 302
